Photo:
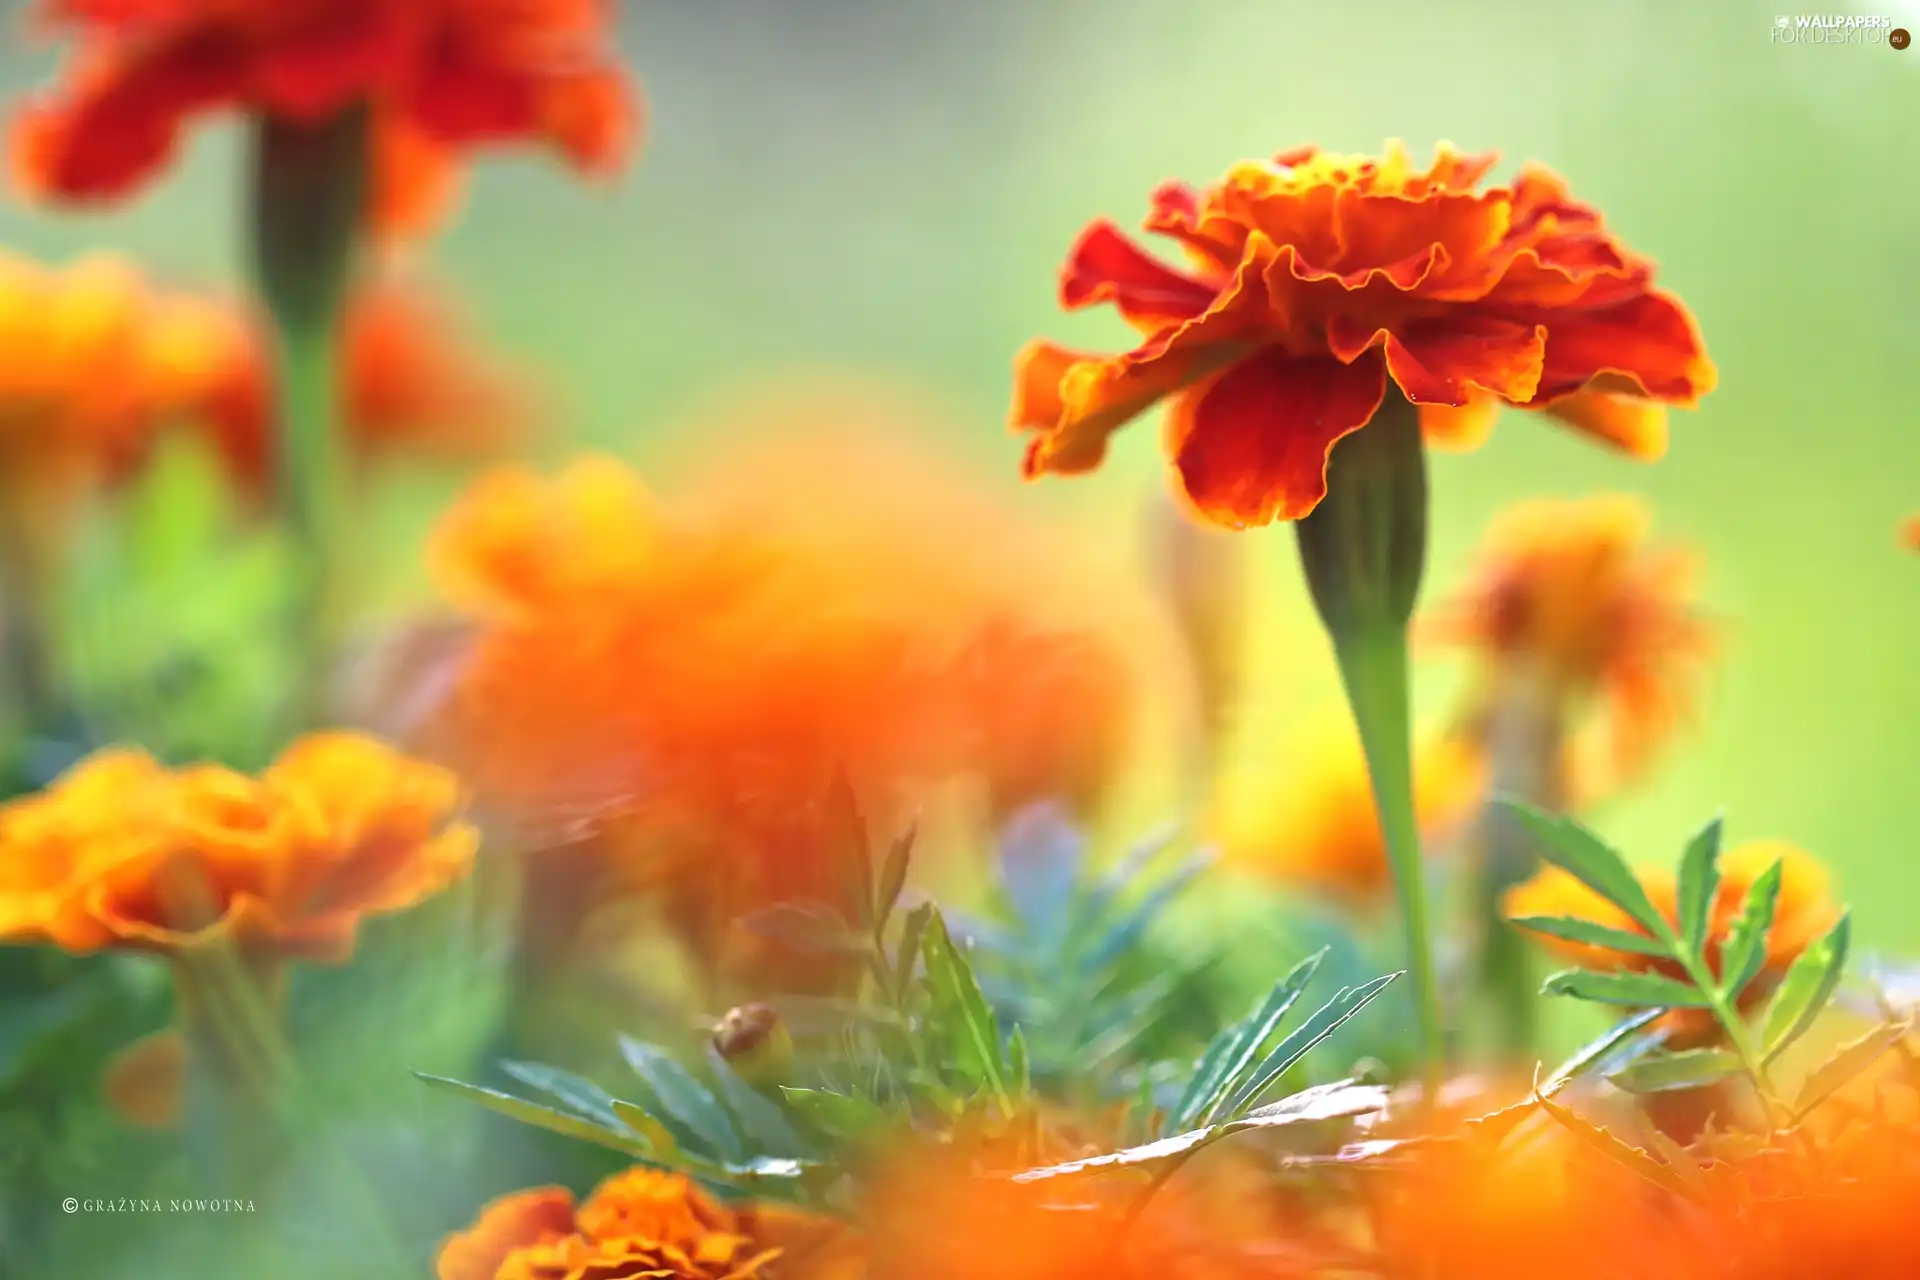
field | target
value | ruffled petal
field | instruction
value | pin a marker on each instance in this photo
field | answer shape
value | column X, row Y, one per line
column 1251, row 447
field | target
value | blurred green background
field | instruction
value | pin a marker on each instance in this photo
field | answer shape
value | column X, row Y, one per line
column 885, row 187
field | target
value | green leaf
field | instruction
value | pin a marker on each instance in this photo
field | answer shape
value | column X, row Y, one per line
column 759, row 1117
column 1583, row 855
column 1343, row 1100
column 1746, row 946
column 1125, row 932
column 907, row 951
column 961, row 1010
column 1300, row 1041
column 577, row 1092
column 846, row 840
column 1672, row 1072
column 1699, row 883
column 1227, row 1060
column 684, row 1099
column 539, row 1116
column 810, row 927
column 893, row 876
column 1846, row 1062
column 660, row 1139
column 1599, row 1048
column 1573, row 929
column 1632, row 989
column 1019, row 1063
column 1624, row 1154
column 1804, row 992
column 838, row 1115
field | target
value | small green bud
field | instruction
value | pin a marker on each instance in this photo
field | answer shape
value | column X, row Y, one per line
column 755, row 1043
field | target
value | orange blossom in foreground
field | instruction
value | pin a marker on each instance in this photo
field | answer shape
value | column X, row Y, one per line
column 1314, row 279
column 440, row 76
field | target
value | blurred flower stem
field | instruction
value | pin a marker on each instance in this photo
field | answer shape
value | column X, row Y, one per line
column 309, row 190
column 1364, row 552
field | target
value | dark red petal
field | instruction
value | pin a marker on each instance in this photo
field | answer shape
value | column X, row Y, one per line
column 1650, row 341
column 1251, row 447
column 1105, row 266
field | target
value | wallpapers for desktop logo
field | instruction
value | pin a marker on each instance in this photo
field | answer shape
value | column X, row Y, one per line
column 1838, row 28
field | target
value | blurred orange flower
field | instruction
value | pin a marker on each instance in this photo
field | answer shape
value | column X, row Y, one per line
column 690, row 679
column 121, row 852
column 441, row 76
column 1910, row 532
column 413, row 382
column 640, row 1223
column 1567, row 605
column 1805, row 910
column 1306, row 817
column 1314, row 279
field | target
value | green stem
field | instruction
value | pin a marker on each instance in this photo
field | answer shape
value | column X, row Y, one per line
column 1374, row 668
column 1739, row 1035
column 308, row 197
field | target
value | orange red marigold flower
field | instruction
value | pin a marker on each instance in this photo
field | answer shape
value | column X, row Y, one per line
column 121, row 852
column 637, row 1224
column 441, row 76
column 1314, row 279
column 1569, row 603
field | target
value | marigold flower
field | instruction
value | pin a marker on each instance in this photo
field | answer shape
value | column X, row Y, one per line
column 441, row 77
column 1568, row 605
column 1804, row 911
column 1308, row 817
column 123, row 853
column 687, row 680
column 412, row 382
column 638, row 1224
column 1910, row 532
column 1315, row 278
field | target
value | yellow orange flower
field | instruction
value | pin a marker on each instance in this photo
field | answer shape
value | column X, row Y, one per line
column 1307, row 817
column 123, row 853
column 1314, row 279
column 638, row 1224
column 1567, row 604
column 1910, row 533
column 412, row 383
column 690, row 678
column 440, row 76
column 1804, row 911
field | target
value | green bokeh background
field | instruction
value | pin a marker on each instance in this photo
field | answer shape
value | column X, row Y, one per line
column 884, row 187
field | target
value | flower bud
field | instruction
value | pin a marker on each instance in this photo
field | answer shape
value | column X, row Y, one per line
column 754, row 1042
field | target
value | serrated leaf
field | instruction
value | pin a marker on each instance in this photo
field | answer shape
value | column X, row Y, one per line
column 1804, row 992
column 1746, row 946
column 577, row 1092
column 912, row 930
column 811, row 927
column 1634, row 990
column 1598, row 1049
column 1845, row 1063
column 1699, row 884
column 961, row 1010
column 839, row 1115
column 1672, row 1072
column 846, row 839
column 1588, row 859
column 1231, row 1056
column 893, row 875
column 661, row 1141
column 759, row 1118
column 684, row 1099
column 1343, row 1100
column 537, row 1114
column 1606, row 1144
column 1573, row 929
column 1301, row 1041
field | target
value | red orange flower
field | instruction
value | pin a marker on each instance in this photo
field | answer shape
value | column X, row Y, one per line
column 1308, row 818
column 1910, row 533
column 121, row 852
column 441, row 76
column 1568, row 604
column 1804, row 912
column 1314, row 279
column 639, row 1225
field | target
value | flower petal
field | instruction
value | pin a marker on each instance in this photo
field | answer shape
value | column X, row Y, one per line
column 1252, row 446
column 1447, row 361
column 1632, row 423
column 1459, row 428
column 1105, row 266
column 1650, row 339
